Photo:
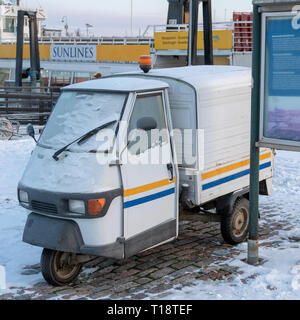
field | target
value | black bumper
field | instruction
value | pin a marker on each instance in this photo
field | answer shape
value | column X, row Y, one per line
column 64, row 235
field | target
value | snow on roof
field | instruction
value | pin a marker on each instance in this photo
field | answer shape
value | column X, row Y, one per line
column 273, row 2
column 200, row 77
column 197, row 76
column 186, row 73
column 206, row 76
column 119, row 84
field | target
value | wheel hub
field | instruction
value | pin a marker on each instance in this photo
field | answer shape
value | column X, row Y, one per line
column 63, row 265
column 240, row 222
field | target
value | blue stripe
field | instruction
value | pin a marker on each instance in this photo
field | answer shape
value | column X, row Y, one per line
column 152, row 197
column 233, row 177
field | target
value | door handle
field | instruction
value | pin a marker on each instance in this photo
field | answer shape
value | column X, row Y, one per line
column 171, row 169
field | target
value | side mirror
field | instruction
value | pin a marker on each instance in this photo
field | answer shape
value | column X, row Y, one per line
column 30, row 131
column 147, row 124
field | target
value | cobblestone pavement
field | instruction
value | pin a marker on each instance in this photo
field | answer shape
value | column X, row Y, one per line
column 198, row 254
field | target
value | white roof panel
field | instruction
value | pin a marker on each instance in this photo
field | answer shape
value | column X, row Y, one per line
column 119, row 84
column 205, row 76
column 200, row 77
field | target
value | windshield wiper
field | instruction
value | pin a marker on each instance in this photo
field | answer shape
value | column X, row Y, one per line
column 82, row 139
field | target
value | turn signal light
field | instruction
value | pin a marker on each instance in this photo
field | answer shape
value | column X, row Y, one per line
column 146, row 63
column 95, row 206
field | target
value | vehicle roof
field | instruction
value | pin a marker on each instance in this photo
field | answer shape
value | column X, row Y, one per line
column 201, row 77
column 202, row 71
column 119, row 84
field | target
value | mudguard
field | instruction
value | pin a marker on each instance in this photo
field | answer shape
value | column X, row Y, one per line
column 52, row 233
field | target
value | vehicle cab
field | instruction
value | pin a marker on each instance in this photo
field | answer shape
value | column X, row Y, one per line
column 98, row 183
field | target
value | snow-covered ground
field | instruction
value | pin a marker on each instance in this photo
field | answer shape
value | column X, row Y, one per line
column 277, row 278
column 14, row 254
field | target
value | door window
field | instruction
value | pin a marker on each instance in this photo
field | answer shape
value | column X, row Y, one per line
column 147, row 108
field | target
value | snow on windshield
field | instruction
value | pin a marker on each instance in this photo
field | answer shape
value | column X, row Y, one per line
column 76, row 113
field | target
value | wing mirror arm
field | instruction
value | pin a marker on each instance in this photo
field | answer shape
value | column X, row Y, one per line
column 30, row 131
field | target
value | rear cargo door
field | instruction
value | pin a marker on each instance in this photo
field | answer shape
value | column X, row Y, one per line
column 149, row 175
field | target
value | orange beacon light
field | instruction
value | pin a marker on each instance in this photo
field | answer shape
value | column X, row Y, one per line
column 146, row 63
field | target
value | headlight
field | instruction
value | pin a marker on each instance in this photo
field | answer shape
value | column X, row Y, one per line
column 77, row 206
column 23, row 196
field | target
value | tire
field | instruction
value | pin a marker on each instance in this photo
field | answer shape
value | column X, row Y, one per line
column 235, row 224
column 55, row 268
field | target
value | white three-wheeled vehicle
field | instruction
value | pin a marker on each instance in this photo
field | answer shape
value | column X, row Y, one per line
column 95, row 189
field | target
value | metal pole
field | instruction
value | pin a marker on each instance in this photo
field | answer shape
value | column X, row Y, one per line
column 254, row 151
column 34, row 47
column 19, row 53
column 189, row 60
column 194, row 47
column 37, row 62
column 193, row 32
column 207, row 26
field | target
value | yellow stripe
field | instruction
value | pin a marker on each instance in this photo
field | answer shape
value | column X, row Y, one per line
column 122, row 52
column 222, row 39
column 232, row 167
column 127, row 53
column 147, row 187
column 8, row 51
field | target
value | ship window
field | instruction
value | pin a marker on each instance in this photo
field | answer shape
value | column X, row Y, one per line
column 45, row 77
column 9, row 25
column 4, row 75
column 61, row 79
column 81, row 77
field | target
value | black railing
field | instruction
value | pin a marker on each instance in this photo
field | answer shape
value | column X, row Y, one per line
column 28, row 104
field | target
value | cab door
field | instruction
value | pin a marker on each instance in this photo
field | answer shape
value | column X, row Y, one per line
column 149, row 175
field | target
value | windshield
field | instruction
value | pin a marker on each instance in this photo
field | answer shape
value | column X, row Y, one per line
column 76, row 113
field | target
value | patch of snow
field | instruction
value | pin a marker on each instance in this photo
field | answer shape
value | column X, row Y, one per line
column 119, row 84
column 279, row 276
column 14, row 254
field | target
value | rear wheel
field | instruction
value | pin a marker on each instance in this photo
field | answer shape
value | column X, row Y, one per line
column 58, row 268
column 235, row 224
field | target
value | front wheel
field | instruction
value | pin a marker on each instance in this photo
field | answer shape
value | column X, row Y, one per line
column 235, row 224
column 58, row 268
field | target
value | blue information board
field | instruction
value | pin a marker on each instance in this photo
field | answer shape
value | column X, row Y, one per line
column 283, row 44
column 281, row 94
